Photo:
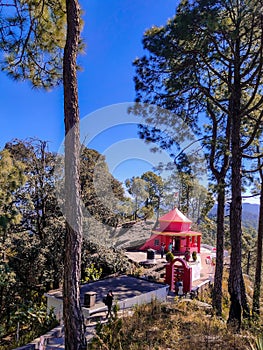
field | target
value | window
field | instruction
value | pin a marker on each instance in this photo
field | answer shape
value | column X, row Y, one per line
column 156, row 242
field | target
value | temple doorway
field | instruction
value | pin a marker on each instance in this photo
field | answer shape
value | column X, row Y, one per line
column 177, row 244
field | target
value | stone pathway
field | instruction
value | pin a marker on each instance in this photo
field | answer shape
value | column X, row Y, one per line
column 58, row 342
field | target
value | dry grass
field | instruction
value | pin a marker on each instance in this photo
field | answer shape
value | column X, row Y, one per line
column 178, row 325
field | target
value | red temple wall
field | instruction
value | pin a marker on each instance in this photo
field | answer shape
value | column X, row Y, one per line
column 175, row 226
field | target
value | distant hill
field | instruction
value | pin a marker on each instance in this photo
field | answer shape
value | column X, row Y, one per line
column 250, row 214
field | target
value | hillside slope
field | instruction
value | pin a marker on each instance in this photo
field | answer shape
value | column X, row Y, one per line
column 134, row 236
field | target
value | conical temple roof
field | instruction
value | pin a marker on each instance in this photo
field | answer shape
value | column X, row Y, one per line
column 174, row 216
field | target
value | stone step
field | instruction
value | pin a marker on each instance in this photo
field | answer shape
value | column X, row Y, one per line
column 55, row 341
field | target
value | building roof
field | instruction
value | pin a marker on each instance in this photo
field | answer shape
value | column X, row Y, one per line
column 179, row 234
column 174, row 216
column 123, row 287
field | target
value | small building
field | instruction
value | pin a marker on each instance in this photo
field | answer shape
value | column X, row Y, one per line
column 174, row 232
column 128, row 291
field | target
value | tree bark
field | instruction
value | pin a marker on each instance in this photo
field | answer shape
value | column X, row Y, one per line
column 257, row 283
column 73, row 318
column 217, row 290
column 236, row 286
column 220, row 174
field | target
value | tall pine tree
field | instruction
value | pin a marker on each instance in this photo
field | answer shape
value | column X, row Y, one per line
column 35, row 41
column 207, row 62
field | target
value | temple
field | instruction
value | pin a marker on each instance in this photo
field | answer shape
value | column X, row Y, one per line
column 174, row 232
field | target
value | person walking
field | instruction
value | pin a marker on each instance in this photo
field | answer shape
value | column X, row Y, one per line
column 162, row 250
column 109, row 301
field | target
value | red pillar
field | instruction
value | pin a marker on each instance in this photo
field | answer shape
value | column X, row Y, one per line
column 198, row 244
column 187, row 241
column 169, row 275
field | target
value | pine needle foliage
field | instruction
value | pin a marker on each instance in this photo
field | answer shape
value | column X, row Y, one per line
column 32, row 39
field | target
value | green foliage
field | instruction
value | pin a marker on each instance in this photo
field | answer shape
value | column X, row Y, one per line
column 155, row 185
column 207, row 62
column 138, row 189
column 32, row 46
column 12, row 177
column 109, row 336
column 7, row 287
column 169, row 257
column 34, row 237
column 7, row 276
column 31, row 235
column 101, row 193
column 91, row 273
column 32, row 244
column 28, row 322
column 192, row 198
column 147, row 212
column 104, row 258
column 40, row 234
column 208, row 229
column 34, row 316
column 258, row 343
column 38, row 198
column 194, row 255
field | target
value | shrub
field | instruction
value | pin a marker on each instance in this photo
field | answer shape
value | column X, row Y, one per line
column 92, row 273
column 169, row 256
column 194, row 256
column 105, row 259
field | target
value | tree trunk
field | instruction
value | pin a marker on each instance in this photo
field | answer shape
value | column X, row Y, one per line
column 248, row 262
column 73, row 318
column 217, row 291
column 236, row 286
column 257, row 284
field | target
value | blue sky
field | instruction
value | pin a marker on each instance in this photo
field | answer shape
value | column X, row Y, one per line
column 113, row 32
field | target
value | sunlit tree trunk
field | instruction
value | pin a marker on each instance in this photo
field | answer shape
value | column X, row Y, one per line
column 73, row 319
column 236, row 284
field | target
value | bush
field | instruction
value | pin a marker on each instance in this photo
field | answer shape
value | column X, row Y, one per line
column 106, row 260
column 27, row 323
column 92, row 274
column 169, row 256
column 194, row 256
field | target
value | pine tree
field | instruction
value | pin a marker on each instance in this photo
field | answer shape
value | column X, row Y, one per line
column 32, row 53
column 207, row 61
